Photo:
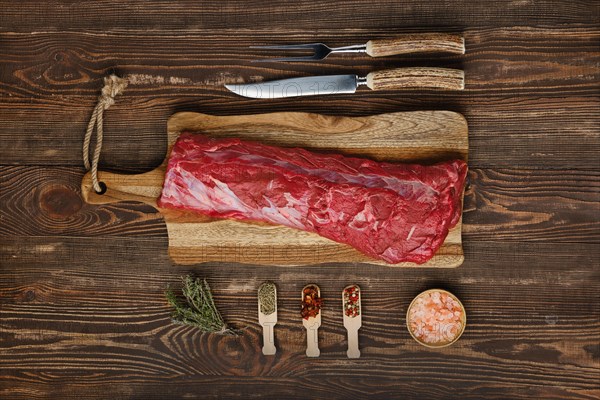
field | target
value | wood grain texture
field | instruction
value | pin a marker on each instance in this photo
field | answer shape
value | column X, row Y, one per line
column 417, row 43
column 391, row 15
column 400, row 137
column 522, row 82
column 82, row 312
column 111, row 328
column 504, row 204
column 417, row 77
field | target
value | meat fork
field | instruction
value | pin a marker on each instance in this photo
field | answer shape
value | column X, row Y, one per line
column 405, row 44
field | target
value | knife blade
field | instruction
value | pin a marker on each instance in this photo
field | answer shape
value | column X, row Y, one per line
column 400, row 78
column 307, row 86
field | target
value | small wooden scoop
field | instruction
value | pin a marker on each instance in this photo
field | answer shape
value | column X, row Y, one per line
column 312, row 325
column 352, row 324
column 268, row 323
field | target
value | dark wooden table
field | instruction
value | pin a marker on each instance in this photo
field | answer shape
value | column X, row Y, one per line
column 82, row 309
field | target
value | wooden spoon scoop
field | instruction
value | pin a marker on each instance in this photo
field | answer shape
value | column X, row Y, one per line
column 352, row 322
column 268, row 322
column 312, row 325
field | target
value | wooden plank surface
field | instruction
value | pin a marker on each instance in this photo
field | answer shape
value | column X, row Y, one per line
column 532, row 328
column 31, row 15
column 517, row 78
column 419, row 136
column 82, row 311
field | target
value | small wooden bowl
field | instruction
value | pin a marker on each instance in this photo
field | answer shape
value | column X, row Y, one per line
column 441, row 344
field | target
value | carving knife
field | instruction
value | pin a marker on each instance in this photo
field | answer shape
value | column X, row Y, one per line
column 399, row 78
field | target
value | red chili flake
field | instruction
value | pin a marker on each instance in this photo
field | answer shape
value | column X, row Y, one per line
column 312, row 303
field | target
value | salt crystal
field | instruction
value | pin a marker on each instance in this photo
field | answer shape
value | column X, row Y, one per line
column 435, row 318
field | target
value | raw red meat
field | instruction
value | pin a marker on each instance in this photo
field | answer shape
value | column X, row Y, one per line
column 392, row 212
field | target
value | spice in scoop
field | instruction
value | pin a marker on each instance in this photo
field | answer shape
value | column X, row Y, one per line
column 267, row 298
column 311, row 302
column 351, row 301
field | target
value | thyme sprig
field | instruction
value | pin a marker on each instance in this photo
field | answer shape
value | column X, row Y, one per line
column 197, row 308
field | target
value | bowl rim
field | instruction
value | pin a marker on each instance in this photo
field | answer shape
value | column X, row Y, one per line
column 463, row 319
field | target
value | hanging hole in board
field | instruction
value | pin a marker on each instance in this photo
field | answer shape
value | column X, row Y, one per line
column 102, row 188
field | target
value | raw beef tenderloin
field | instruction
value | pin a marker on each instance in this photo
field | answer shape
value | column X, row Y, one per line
column 391, row 212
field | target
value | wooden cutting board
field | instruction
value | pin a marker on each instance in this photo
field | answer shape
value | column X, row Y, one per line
column 423, row 136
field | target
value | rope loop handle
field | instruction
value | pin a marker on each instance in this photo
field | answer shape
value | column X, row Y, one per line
column 113, row 86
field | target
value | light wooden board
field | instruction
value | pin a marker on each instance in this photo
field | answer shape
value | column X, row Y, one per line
column 424, row 136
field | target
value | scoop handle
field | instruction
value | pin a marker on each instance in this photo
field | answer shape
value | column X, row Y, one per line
column 417, row 43
column 353, row 351
column 312, row 342
column 417, row 77
column 268, row 339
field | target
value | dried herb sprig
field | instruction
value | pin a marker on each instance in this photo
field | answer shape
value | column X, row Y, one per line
column 198, row 309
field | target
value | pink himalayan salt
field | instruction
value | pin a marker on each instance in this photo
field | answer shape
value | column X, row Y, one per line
column 435, row 318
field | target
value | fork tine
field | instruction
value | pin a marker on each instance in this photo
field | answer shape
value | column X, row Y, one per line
column 289, row 46
column 307, row 58
column 319, row 50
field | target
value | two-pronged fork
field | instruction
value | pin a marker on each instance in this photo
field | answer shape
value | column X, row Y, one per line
column 405, row 44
